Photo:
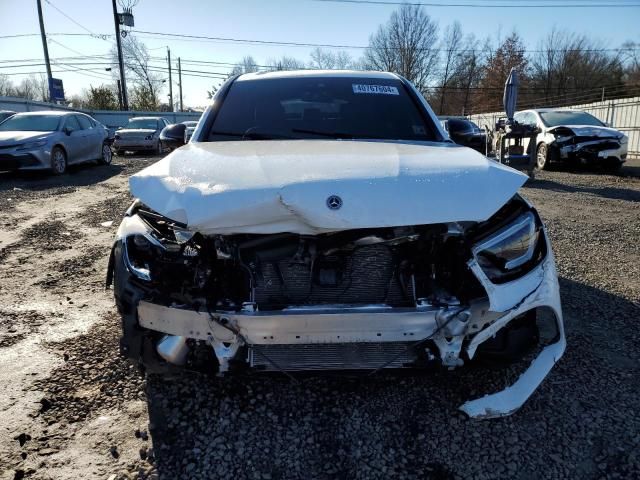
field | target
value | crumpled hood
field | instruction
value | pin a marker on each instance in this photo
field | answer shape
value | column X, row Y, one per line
column 284, row 186
column 590, row 131
column 18, row 137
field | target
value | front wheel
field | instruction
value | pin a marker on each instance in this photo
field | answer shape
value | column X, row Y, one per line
column 107, row 155
column 542, row 157
column 612, row 166
column 58, row 161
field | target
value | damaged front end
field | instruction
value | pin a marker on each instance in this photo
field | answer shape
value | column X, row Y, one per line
column 364, row 299
column 588, row 145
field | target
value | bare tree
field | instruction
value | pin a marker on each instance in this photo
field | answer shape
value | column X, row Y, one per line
column 33, row 88
column 470, row 71
column 573, row 68
column 147, row 81
column 631, row 63
column 246, row 65
column 406, row 44
column 328, row 60
column 451, row 43
column 6, row 86
column 285, row 63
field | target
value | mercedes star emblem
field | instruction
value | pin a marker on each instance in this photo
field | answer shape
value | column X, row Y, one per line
column 334, row 202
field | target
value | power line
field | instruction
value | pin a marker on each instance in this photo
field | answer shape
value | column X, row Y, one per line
column 187, row 37
column 19, row 35
column 95, row 35
column 329, row 45
column 600, row 4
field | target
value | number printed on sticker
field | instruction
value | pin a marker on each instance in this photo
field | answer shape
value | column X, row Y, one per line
column 375, row 89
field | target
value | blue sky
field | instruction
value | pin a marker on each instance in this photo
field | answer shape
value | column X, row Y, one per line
column 279, row 20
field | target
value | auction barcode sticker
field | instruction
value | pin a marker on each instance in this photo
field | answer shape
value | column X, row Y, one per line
column 375, row 89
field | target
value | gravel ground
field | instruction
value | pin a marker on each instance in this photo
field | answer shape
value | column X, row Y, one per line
column 71, row 405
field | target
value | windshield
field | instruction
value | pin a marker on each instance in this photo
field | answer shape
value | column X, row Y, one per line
column 145, row 123
column 31, row 123
column 312, row 108
column 562, row 117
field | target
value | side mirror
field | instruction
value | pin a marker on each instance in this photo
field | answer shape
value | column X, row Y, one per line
column 173, row 136
column 67, row 130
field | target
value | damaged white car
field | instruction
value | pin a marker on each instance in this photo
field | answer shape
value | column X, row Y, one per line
column 324, row 221
column 574, row 136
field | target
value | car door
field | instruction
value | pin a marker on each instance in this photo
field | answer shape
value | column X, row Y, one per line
column 73, row 140
column 93, row 137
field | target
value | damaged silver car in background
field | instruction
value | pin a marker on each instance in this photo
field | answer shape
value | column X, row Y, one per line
column 573, row 136
column 324, row 221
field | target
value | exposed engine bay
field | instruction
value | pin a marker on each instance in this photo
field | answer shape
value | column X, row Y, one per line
column 362, row 299
column 396, row 266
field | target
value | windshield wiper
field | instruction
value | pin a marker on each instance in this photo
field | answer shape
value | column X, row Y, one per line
column 328, row 134
column 252, row 135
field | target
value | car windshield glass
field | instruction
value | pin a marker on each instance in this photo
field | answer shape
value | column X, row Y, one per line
column 31, row 123
column 314, row 108
column 146, row 123
column 553, row 119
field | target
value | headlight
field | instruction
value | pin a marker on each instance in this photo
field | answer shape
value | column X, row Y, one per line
column 32, row 145
column 138, row 246
column 508, row 252
column 137, row 252
column 624, row 140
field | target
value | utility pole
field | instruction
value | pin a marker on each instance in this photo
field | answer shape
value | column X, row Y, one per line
column 180, row 83
column 123, row 81
column 45, row 47
column 170, row 82
column 119, row 94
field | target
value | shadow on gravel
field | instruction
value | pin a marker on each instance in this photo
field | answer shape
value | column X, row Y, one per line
column 76, row 176
column 605, row 192
column 631, row 168
column 581, row 423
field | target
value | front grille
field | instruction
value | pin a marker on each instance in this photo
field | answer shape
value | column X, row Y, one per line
column 332, row 356
column 11, row 162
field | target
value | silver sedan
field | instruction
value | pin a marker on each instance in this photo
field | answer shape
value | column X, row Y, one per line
column 52, row 140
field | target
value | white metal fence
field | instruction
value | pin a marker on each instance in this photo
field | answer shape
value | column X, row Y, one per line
column 622, row 114
column 110, row 118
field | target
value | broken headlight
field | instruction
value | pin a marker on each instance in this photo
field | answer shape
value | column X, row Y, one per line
column 138, row 246
column 511, row 251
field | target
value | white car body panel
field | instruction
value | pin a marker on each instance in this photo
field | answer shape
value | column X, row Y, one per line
column 282, row 186
column 268, row 187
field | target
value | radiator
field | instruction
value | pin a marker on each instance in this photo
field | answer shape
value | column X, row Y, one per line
column 335, row 356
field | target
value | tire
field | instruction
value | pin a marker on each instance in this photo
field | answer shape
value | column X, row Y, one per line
column 58, row 161
column 542, row 157
column 107, row 155
column 612, row 166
